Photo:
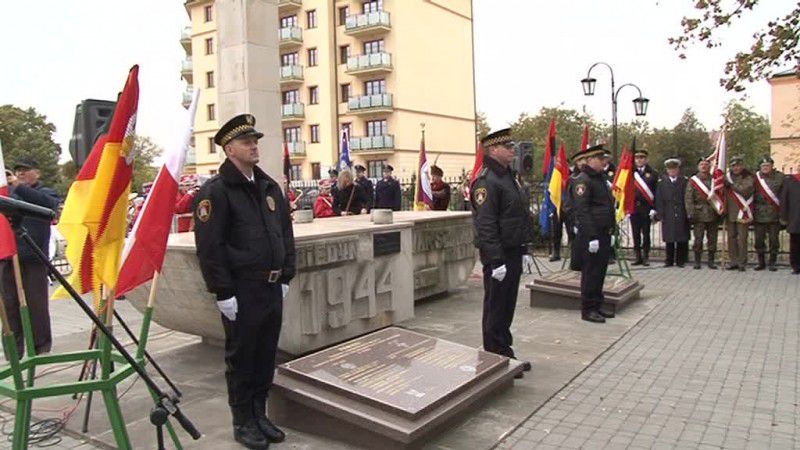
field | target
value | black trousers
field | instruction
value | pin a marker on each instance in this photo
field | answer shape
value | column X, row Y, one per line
column 34, row 282
column 794, row 251
column 640, row 225
column 251, row 342
column 765, row 231
column 499, row 303
column 677, row 253
column 593, row 273
column 555, row 234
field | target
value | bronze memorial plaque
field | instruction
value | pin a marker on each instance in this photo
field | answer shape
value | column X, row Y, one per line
column 396, row 369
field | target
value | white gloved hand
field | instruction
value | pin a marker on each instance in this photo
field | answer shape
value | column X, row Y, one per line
column 527, row 260
column 613, row 240
column 652, row 214
column 594, row 246
column 285, row 290
column 228, row 308
column 499, row 274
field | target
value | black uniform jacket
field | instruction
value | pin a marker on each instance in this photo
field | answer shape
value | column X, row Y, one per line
column 790, row 204
column 641, row 206
column 593, row 204
column 500, row 213
column 38, row 229
column 568, row 204
column 387, row 194
column 357, row 202
column 369, row 191
column 242, row 230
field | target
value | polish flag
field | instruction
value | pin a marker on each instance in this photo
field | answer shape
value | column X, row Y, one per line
column 8, row 242
column 146, row 245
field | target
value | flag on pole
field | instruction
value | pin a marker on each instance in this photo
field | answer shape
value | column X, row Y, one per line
column 8, row 241
column 550, row 148
column 423, row 194
column 287, row 165
column 558, row 179
column 585, row 138
column 548, row 208
column 718, row 168
column 477, row 167
column 344, row 158
column 146, row 245
column 623, row 186
column 94, row 219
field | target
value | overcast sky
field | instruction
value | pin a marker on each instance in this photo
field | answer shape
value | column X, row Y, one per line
column 529, row 54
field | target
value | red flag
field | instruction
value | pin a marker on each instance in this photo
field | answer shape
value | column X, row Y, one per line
column 8, row 242
column 477, row 167
column 585, row 138
column 549, row 147
column 287, row 163
column 562, row 165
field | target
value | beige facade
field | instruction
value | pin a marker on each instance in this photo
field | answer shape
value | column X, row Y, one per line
column 785, row 121
column 406, row 62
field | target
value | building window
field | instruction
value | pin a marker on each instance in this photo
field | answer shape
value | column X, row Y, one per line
column 212, row 172
column 313, row 95
column 209, row 46
column 372, row 6
column 212, row 111
column 347, row 128
column 291, row 97
column 315, row 171
column 377, row 128
column 375, row 168
column 345, row 92
column 290, row 59
column 344, row 53
column 314, row 129
column 311, row 17
column 374, row 47
column 208, row 13
column 291, row 134
column 191, row 141
column 288, row 21
column 375, row 87
column 296, row 172
column 212, row 147
column 344, row 11
column 210, row 79
column 312, row 57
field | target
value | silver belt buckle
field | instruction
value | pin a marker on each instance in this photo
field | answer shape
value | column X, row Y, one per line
column 273, row 276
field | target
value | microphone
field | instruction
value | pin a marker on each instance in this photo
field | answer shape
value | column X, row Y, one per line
column 12, row 207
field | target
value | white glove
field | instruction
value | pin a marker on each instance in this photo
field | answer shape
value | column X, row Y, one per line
column 527, row 260
column 652, row 214
column 285, row 289
column 228, row 308
column 613, row 240
column 575, row 230
column 499, row 274
column 594, row 246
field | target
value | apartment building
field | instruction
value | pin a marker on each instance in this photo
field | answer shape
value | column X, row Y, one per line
column 375, row 69
column 785, row 121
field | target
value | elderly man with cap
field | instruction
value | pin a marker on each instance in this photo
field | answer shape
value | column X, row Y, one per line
column 645, row 179
column 25, row 185
column 440, row 189
column 333, row 179
column 366, row 184
column 246, row 250
column 503, row 228
column 739, row 204
column 594, row 217
column 568, row 211
column 387, row 191
column 671, row 211
column 701, row 213
column 790, row 216
column 767, row 205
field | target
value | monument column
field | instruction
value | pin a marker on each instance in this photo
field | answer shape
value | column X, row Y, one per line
column 249, row 73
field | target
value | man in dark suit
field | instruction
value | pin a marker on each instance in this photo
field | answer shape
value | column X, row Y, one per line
column 645, row 181
column 671, row 211
column 387, row 191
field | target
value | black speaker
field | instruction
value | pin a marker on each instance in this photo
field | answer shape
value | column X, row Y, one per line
column 92, row 119
column 523, row 160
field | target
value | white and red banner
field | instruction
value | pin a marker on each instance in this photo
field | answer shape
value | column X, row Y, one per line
column 745, row 214
column 146, row 245
column 700, row 187
column 718, row 167
column 767, row 192
column 643, row 188
column 8, row 242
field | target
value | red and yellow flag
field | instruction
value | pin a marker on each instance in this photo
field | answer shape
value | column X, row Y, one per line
column 94, row 219
column 623, row 186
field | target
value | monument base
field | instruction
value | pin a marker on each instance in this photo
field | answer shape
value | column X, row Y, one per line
column 391, row 389
column 563, row 290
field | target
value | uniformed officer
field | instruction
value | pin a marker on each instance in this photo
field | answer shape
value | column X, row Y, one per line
column 701, row 213
column 568, row 210
column 671, row 211
column 739, row 204
column 440, row 189
column 594, row 216
column 645, row 180
column 366, row 185
column 767, row 203
column 387, row 191
column 245, row 246
column 503, row 227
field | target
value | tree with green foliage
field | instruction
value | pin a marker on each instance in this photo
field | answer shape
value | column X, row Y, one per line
column 482, row 124
column 689, row 141
column 143, row 170
column 24, row 133
column 748, row 133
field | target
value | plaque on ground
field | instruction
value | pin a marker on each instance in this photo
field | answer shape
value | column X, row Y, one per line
column 387, row 389
column 563, row 290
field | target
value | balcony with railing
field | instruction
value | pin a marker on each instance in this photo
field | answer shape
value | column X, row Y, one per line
column 187, row 97
column 186, row 69
column 191, row 156
column 368, row 24
column 296, row 149
column 291, row 75
column 371, row 64
column 372, row 144
column 370, row 104
column 186, row 39
column 286, row 6
column 290, row 37
column 293, row 112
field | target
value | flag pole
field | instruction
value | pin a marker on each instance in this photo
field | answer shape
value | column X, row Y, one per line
column 25, row 315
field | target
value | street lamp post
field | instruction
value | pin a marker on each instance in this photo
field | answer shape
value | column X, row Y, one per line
column 640, row 103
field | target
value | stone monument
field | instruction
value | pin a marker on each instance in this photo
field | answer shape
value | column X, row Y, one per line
column 563, row 290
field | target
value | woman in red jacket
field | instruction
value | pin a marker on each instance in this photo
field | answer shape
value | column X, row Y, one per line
column 324, row 205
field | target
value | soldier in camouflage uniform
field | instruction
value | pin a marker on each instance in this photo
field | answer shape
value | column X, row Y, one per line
column 701, row 213
column 769, row 184
column 740, row 187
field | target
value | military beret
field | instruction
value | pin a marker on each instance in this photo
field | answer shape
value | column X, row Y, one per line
column 388, row 168
column 595, row 150
column 333, row 172
column 672, row 162
column 766, row 160
column 436, row 170
column 737, row 160
column 240, row 126
column 25, row 163
column 500, row 137
column 702, row 160
column 641, row 152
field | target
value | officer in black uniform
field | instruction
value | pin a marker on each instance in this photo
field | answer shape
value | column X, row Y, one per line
column 366, row 184
column 387, row 191
column 245, row 246
column 594, row 214
column 644, row 207
column 568, row 210
column 503, row 228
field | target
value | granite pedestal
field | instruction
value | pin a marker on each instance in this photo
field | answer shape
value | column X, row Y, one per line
column 563, row 290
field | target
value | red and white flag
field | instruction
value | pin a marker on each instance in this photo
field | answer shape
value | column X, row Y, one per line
column 146, row 245
column 718, row 168
column 8, row 242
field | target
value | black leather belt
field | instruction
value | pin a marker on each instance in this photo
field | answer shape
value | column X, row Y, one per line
column 270, row 276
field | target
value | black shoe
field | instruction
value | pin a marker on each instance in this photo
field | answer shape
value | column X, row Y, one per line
column 732, row 267
column 526, row 366
column 759, row 267
column 270, row 431
column 638, row 262
column 593, row 316
column 250, row 436
column 554, row 258
column 668, row 264
column 796, row 271
column 607, row 315
column 741, row 268
column 711, row 265
column 519, row 375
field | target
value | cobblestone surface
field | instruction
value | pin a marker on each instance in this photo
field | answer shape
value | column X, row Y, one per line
column 712, row 366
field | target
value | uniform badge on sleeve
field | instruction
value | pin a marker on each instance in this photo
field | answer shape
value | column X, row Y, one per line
column 270, row 203
column 580, row 189
column 204, row 210
column 480, row 196
column 647, row 174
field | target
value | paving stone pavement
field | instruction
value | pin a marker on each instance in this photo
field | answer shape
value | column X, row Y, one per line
column 714, row 365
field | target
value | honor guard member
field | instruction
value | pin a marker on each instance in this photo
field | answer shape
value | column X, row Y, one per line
column 387, row 191
column 594, row 216
column 671, row 211
column 440, row 189
column 366, row 184
column 568, row 210
column 790, row 216
column 769, row 183
column 246, row 250
column 739, row 204
column 701, row 213
column 333, row 178
column 503, row 227
column 645, row 180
